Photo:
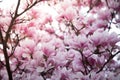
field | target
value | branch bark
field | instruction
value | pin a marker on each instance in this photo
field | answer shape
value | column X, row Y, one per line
column 110, row 58
column 6, row 56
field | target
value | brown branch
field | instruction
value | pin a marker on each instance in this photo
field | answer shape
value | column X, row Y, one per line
column 77, row 31
column 14, row 47
column 2, row 63
column 84, row 63
column 21, row 21
column 28, row 7
column 4, row 42
column 12, row 22
column 6, row 56
column 107, row 3
column 110, row 58
column 17, row 66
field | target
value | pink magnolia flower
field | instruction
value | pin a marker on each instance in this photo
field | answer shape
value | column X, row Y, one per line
column 31, row 1
column 43, row 36
column 99, row 38
column 90, row 20
column 47, row 18
column 50, row 30
column 58, row 43
column 29, row 44
column 4, row 22
column 31, row 24
column 76, row 63
column 114, row 4
column 34, row 14
column 113, row 39
column 61, row 74
column 38, row 57
column 100, row 61
column 65, row 4
column 69, row 14
column 48, row 49
column 80, row 41
column 100, row 24
column 59, row 59
column 71, row 54
column 93, row 60
column 18, row 52
column 104, row 14
column 30, row 32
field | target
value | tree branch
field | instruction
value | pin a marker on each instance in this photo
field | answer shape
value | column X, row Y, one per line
column 110, row 58
column 6, row 56
column 12, row 22
column 29, row 7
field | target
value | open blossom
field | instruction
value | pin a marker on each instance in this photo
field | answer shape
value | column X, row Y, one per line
column 57, row 43
column 113, row 38
column 65, row 4
column 69, row 14
column 59, row 59
column 42, row 36
column 104, row 38
column 4, row 22
column 66, row 11
column 31, row 24
column 79, row 42
column 100, row 24
column 114, row 4
column 50, row 30
column 77, row 64
column 34, row 14
column 48, row 49
column 90, row 20
column 99, row 38
column 18, row 51
column 61, row 74
column 46, row 19
column 104, row 14
column 30, row 44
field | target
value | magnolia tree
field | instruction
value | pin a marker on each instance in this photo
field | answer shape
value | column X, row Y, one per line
column 60, row 40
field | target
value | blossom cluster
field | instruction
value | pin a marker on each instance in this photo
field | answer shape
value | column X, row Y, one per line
column 64, row 40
